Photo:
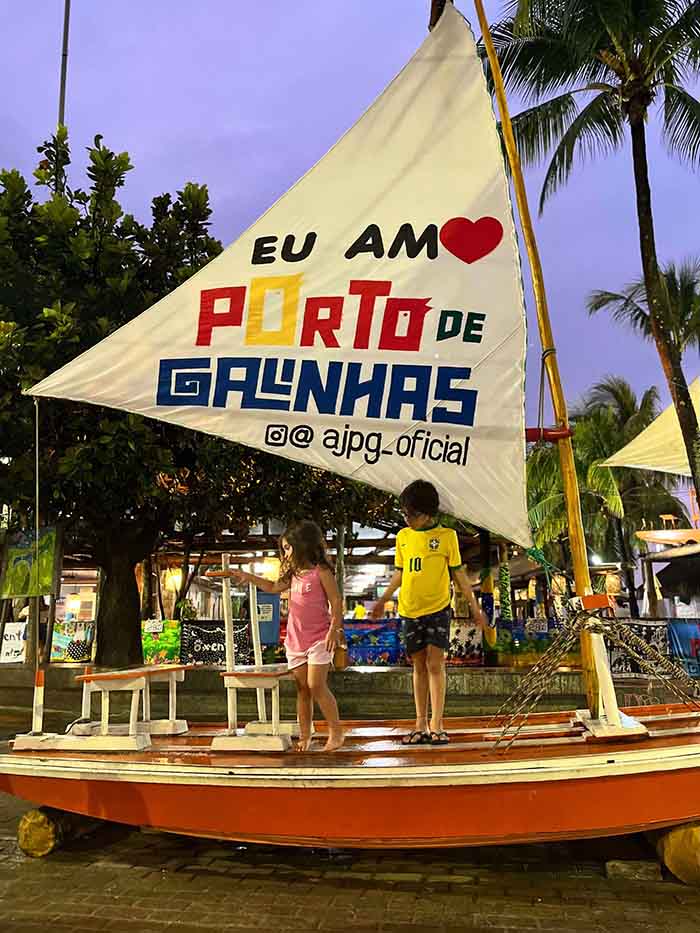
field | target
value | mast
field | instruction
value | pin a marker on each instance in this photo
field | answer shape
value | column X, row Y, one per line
column 64, row 65
column 579, row 553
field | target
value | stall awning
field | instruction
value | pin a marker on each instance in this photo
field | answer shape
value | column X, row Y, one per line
column 660, row 446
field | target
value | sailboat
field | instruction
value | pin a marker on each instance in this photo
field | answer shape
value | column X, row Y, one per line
column 371, row 323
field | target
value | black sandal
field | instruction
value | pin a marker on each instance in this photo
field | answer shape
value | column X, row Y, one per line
column 416, row 738
column 439, row 738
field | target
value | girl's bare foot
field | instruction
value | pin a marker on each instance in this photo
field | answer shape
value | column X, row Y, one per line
column 303, row 743
column 336, row 737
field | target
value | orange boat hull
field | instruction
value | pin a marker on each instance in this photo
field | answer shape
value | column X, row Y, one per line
column 376, row 793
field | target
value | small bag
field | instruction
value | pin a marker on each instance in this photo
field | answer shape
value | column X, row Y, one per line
column 340, row 656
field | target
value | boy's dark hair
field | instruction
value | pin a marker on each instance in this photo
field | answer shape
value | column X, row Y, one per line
column 420, row 498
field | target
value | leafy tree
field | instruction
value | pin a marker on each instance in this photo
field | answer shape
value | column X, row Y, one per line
column 615, row 503
column 682, row 309
column 596, row 70
column 73, row 269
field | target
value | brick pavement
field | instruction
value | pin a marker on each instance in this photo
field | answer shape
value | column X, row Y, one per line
column 123, row 880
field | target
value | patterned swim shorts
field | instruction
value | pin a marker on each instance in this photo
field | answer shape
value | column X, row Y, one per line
column 433, row 629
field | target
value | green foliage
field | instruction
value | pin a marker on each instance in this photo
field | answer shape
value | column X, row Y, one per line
column 594, row 70
column 613, row 502
column 610, row 62
column 681, row 307
column 74, row 268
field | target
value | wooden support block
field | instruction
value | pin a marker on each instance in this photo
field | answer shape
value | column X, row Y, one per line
column 679, row 850
column 42, row 831
column 251, row 743
column 48, row 741
column 602, row 729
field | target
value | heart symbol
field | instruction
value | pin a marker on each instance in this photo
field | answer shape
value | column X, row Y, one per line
column 470, row 240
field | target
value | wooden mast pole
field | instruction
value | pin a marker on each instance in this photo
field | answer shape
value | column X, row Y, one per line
column 577, row 538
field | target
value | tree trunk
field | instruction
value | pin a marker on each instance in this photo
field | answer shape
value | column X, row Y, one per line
column 119, row 614
column 669, row 354
column 627, row 566
column 147, row 589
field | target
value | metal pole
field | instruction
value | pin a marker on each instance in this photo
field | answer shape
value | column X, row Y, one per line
column 64, row 65
column 38, row 699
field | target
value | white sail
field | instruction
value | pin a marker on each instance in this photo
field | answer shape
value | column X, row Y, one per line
column 371, row 322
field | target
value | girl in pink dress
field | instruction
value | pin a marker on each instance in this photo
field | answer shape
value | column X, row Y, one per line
column 314, row 625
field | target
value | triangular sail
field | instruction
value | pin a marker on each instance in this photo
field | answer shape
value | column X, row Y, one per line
column 371, row 322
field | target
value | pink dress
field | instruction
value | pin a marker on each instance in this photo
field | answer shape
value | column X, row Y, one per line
column 308, row 621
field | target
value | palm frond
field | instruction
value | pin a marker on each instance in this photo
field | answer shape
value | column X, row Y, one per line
column 541, row 59
column 682, row 123
column 681, row 37
column 597, row 129
column 627, row 307
column 537, row 129
column 600, row 479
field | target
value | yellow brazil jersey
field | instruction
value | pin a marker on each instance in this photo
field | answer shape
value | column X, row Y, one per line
column 426, row 557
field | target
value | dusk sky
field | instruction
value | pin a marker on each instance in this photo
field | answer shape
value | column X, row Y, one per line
column 245, row 97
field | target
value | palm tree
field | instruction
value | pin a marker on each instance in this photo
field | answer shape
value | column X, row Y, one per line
column 625, row 59
column 631, row 307
column 614, row 504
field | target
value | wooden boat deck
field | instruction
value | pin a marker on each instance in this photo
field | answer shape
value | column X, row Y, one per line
column 377, row 744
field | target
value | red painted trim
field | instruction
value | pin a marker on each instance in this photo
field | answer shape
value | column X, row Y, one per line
column 550, row 435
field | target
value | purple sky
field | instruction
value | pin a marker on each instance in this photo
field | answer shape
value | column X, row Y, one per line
column 247, row 96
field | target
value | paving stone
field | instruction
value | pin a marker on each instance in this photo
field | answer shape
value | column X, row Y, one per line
column 633, row 871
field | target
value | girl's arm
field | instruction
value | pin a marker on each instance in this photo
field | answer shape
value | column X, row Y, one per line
column 332, row 592
column 267, row 586
column 395, row 582
column 460, row 577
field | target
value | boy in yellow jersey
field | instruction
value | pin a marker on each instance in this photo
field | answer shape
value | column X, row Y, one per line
column 427, row 557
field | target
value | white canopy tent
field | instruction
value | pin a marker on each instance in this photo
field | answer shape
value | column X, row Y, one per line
column 660, row 446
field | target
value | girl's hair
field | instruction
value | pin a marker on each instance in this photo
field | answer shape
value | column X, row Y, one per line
column 308, row 545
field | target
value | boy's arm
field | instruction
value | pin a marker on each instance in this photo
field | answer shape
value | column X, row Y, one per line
column 394, row 584
column 459, row 576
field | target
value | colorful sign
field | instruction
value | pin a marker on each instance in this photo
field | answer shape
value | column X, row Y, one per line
column 160, row 640
column 72, row 641
column 14, row 643
column 371, row 323
column 29, row 568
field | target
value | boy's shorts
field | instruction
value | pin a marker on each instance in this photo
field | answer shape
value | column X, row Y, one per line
column 433, row 629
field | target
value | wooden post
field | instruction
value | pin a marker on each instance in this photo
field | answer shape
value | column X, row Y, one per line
column 231, row 704
column 650, row 586
column 487, row 600
column 566, row 453
column 257, row 647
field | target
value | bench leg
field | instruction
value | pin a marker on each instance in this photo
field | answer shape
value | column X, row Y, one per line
column 147, row 701
column 86, row 708
column 104, row 721
column 134, row 714
column 262, row 706
column 232, row 706
column 172, row 697
column 276, row 709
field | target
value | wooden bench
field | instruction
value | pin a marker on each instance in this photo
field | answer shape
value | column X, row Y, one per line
column 137, row 681
column 254, row 677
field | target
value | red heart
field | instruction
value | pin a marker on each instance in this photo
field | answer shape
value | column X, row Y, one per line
column 470, row 240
